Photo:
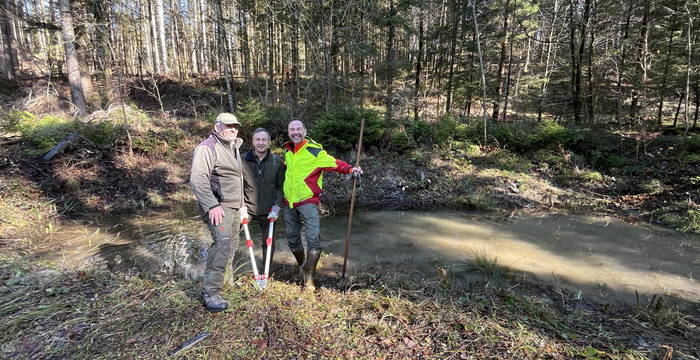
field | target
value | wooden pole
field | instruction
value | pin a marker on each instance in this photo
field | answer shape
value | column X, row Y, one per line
column 352, row 200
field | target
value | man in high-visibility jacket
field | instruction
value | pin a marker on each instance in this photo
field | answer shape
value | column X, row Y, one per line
column 306, row 162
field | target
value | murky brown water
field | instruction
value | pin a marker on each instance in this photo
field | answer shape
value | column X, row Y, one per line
column 603, row 259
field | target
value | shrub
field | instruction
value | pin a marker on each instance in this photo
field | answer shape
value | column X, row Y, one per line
column 102, row 133
column 692, row 158
column 653, row 186
column 401, row 140
column 589, row 176
column 135, row 117
column 512, row 136
column 11, row 122
column 158, row 143
column 549, row 134
column 339, row 128
column 692, row 142
column 524, row 137
column 47, row 131
column 252, row 115
column 438, row 133
column 681, row 217
column 44, row 132
column 614, row 161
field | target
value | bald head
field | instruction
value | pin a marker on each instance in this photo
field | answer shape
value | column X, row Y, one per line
column 297, row 131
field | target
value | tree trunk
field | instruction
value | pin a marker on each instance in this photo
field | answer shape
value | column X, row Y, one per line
column 691, row 52
column 419, row 64
column 591, row 94
column 9, row 53
column 157, row 67
column 621, row 69
column 547, row 69
column 640, row 88
column 223, row 53
column 390, row 63
column 162, row 47
column 501, row 61
column 664, row 77
column 453, row 47
column 85, row 73
column 483, row 76
column 507, row 90
column 145, row 37
column 19, row 37
column 245, row 48
column 523, row 68
column 177, row 58
column 295, row 65
column 697, row 103
column 468, row 105
column 678, row 109
column 101, row 63
column 576, row 56
column 204, row 38
column 270, row 84
column 72, row 64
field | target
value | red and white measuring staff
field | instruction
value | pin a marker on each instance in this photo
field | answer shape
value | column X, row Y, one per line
column 260, row 280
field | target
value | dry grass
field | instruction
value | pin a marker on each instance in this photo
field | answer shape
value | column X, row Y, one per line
column 100, row 315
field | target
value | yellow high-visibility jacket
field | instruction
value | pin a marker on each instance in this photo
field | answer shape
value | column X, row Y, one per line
column 306, row 163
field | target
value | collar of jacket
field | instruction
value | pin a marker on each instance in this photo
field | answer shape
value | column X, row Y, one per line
column 290, row 145
column 237, row 143
column 252, row 156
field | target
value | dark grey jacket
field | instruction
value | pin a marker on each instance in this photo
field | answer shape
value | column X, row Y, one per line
column 263, row 182
column 216, row 175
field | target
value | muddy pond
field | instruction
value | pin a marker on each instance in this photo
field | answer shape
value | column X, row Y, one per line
column 598, row 258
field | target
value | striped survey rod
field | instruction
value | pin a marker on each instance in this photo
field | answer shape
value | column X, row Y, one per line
column 268, row 242
column 249, row 244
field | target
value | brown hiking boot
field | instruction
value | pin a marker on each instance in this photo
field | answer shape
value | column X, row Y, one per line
column 310, row 269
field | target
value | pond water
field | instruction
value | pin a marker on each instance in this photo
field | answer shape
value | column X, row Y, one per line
column 603, row 259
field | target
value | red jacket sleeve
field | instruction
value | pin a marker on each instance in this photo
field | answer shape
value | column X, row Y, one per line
column 342, row 167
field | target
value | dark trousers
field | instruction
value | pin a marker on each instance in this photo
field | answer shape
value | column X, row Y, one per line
column 305, row 216
column 225, row 236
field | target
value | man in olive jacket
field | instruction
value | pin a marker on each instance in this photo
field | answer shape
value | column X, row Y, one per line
column 217, row 182
column 263, row 177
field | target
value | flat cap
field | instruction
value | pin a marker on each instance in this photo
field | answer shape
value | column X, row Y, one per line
column 228, row 119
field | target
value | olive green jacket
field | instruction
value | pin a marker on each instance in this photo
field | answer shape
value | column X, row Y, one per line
column 216, row 175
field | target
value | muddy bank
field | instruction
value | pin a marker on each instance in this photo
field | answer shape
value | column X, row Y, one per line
column 597, row 258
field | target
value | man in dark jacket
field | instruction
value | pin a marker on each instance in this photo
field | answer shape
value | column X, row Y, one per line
column 217, row 182
column 263, row 176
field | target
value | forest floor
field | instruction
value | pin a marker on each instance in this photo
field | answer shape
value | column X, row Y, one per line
column 60, row 313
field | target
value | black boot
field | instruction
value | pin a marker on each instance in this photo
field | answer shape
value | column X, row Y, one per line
column 310, row 269
column 299, row 255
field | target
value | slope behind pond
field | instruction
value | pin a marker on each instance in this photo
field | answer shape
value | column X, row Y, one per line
column 604, row 260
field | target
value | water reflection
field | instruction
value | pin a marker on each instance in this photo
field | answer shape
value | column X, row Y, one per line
column 600, row 257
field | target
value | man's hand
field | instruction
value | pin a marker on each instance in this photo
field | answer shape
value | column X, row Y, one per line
column 216, row 215
column 274, row 213
column 356, row 172
column 244, row 213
